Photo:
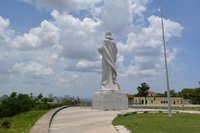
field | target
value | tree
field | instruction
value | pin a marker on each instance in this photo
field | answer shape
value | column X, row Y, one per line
column 16, row 104
column 196, row 95
column 160, row 94
column 172, row 93
column 143, row 90
column 187, row 93
column 191, row 93
column 13, row 94
column 40, row 96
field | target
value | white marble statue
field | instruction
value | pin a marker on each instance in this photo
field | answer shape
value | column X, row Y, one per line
column 108, row 50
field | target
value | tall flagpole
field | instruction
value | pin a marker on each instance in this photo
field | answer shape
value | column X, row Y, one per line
column 166, row 67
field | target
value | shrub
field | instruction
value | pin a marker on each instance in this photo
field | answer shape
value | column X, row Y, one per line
column 16, row 104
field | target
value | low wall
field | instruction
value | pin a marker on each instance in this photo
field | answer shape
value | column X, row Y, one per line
column 43, row 124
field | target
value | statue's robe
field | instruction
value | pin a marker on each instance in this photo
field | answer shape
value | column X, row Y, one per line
column 108, row 50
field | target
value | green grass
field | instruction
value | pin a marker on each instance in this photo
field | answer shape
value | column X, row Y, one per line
column 160, row 123
column 22, row 122
column 173, row 107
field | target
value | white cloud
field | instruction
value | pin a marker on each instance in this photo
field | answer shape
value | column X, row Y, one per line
column 4, row 23
column 146, row 48
column 86, row 64
column 49, row 58
column 151, row 36
column 138, row 7
column 46, row 35
column 7, row 54
column 63, row 5
column 79, row 38
column 32, row 68
column 5, row 33
column 67, row 78
column 64, row 48
column 172, row 29
column 118, row 15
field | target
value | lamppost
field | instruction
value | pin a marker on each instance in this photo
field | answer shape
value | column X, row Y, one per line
column 166, row 67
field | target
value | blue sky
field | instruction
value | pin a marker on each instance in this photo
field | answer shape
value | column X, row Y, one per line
column 51, row 47
column 186, row 13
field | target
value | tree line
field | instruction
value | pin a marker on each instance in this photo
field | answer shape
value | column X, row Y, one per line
column 187, row 93
column 18, row 103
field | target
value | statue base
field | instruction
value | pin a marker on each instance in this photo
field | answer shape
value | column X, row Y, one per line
column 110, row 100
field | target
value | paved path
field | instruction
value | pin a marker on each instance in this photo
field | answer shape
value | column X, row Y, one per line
column 83, row 120
column 42, row 125
column 86, row 120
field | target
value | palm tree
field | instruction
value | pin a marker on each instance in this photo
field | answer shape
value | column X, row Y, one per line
column 143, row 90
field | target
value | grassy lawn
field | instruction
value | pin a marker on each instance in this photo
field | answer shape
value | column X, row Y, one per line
column 23, row 122
column 173, row 107
column 160, row 123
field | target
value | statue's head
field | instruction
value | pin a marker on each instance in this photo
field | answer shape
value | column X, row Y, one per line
column 108, row 35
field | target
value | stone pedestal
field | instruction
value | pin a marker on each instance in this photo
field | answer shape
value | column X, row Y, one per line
column 110, row 100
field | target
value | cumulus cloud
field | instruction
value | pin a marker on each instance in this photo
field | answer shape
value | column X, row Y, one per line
column 7, row 54
column 64, row 48
column 46, row 35
column 147, row 49
column 32, row 68
column 6, row 33
column 138, row 7
column 118, row 16
column 4, row 23
column 50, row 58
column 172, row 29
column 84, row 66
column 63, row 5
column 67, row 78
column 79, row 38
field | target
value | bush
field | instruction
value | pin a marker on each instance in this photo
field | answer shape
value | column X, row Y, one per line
column 16, row 104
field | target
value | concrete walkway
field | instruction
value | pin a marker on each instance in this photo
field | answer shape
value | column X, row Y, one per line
column 83, row 120
column 86, row 120
column 42, row 125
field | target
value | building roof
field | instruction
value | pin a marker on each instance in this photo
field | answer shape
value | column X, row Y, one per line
column 150, row 92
